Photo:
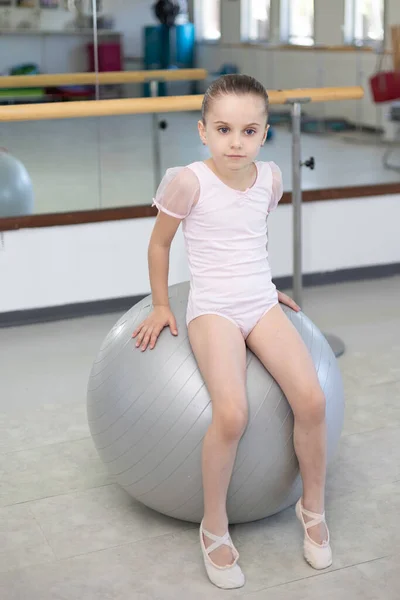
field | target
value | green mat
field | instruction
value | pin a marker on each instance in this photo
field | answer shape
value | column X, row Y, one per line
column 22, row 92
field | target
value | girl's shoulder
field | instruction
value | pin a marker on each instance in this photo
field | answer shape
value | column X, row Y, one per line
column 268, row 172
column 267, row 166
column 196, row 174
column 199, row 168
column 183, row 177
column 178, row 192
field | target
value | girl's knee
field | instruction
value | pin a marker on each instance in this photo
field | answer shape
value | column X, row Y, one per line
column 231, row 420
column 312, row 405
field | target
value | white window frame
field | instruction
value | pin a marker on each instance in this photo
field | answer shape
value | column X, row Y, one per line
column 198, row 21
column 245, row 17
column 285, row 18
column 349, row 27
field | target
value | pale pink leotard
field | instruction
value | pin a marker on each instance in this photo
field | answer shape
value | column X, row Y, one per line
column 225, row 233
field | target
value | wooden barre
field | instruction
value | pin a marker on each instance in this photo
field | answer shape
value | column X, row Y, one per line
column 395, row 33
column 110, row 78
column 325, row 94
column 131, row 106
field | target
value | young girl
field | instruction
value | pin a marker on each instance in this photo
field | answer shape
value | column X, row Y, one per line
column 223, row 203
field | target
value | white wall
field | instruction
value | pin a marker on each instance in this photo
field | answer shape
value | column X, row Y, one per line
column 328, row 22
column 62, row 265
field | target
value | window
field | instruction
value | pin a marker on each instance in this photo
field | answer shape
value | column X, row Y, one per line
column 208, row 19
column 364, row 21
column 297, row 17
column 255, row 20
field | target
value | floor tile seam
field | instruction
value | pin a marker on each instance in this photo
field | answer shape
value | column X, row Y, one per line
column 345, row 495
column 62, row 559
column 389, row 427
column 320, row 574
column 43, row 534
column 8, row 452
column 71, row 492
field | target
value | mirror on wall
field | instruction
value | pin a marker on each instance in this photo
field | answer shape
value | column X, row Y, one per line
column 68, row 165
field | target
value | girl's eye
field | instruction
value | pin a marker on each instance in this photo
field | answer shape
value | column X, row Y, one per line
column 223, row 129
column 250, row 131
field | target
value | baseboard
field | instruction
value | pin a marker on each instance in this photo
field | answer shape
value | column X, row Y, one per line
column 341, row 276
column 120, row 305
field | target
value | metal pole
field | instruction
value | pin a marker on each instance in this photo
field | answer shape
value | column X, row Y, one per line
column 156, row 138
column 335, row 343
column 360, row 81
column 97, row 95
column 296, row 202
column 96, row 48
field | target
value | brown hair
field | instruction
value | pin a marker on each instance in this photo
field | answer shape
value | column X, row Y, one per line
column 233, row 84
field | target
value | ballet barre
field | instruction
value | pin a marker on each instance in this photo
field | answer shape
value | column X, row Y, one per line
column 108, row 78
column 131, row 106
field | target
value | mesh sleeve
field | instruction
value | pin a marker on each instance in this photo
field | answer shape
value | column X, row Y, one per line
column 277, row 186
column 178, row 192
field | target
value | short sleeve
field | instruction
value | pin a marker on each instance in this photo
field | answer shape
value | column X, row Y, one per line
column 178, row 192
column 277, row 186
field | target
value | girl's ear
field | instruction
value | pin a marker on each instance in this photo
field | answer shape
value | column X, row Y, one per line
column 265, row 135
column 202, row 132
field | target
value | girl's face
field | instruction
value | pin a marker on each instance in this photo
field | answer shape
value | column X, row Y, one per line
column 236, row 127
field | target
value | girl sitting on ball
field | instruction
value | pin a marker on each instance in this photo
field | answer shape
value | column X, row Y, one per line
column 223, row 203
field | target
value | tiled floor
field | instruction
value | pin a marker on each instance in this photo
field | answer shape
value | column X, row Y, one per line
column 82, row 164
column 67, row 532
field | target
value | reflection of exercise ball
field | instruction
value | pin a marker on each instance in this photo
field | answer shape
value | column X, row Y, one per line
column 148, row 413
column 16, row 191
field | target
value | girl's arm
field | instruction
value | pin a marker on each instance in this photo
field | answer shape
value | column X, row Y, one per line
column 163, row 233
column 175, row 197
column 158, row 258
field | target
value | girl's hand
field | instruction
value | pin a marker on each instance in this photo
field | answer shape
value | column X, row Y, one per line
column 284, row 299
column 148, row 331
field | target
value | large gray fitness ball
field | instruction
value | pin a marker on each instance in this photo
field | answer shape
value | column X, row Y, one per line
column 16, row 191
column 148, row 413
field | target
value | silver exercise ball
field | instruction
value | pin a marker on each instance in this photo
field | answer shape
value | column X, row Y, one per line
column 149, row 411
column 16, row 191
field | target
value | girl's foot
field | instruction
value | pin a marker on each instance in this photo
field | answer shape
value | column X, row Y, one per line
column 317, row 550
column 223, row 555
column 220, row 560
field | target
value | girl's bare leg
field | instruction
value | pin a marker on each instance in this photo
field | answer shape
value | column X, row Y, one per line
column 280, row 348
column 220, row 351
